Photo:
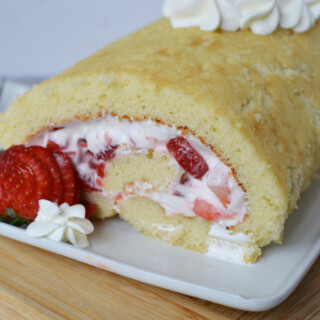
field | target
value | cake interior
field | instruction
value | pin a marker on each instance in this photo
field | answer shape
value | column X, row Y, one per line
column 163, row 180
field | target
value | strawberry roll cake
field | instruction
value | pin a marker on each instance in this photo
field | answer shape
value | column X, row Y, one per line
column 202, row 139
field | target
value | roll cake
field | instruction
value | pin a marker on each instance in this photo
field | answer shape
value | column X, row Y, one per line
column 202, row 139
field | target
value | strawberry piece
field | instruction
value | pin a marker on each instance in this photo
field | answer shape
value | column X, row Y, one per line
column 187, row 157
column 96, row 162
column 90, row 209
column 208, row 212
column 86, row 186
column 47, row 158
column 51, row 145
column 223, row 193
column 100, row 169
column 16, row 187
column 28, row 174
column 43, row 178
column 23, row 181
column 67, row 176
column 107, row 154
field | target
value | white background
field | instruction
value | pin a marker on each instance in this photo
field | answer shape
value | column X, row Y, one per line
column 39, row 38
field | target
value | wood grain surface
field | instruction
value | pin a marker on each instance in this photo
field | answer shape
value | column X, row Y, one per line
column 35, row 284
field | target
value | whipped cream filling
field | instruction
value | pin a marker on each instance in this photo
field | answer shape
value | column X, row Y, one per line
column 127, row 137
column 261, row 17
column 132, row 137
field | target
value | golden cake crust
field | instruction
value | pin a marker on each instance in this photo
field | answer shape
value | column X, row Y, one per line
column 255, row 99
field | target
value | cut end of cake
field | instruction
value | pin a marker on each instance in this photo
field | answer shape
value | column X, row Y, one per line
column 164, row 181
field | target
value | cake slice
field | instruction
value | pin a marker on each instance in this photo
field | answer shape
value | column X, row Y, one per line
column 205, row 140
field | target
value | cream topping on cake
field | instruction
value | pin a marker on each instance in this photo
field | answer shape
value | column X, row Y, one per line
column 217, row 190
column 261, row 17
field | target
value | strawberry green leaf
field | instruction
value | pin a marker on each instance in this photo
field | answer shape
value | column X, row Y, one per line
column 12, row 219
column 10, row 213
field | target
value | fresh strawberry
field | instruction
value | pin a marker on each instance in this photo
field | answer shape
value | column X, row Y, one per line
column 90, row 209
column 43, row 178
column 188, row 158
column 208, row 212
column 47, row 158
column 51, row 145
column 70, row 192
column 86, row 186
column 28, row 174
column 96, row 162
column 107, row 153
column 16, row 190
column 100, row 169
column 24, row 181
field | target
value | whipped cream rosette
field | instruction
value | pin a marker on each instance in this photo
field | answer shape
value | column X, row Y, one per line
column 260, row 16
column 62, row 223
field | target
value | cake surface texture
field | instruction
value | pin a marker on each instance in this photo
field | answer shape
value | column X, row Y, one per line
column 254, row 100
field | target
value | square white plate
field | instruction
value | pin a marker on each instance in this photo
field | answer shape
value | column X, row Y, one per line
column 116, row 247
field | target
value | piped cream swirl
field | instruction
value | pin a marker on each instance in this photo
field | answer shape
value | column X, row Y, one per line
column 261, row 17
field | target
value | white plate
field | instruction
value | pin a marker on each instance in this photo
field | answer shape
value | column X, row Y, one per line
column 116, row 247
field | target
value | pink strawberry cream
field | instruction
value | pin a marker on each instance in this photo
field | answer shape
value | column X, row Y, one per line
column 204, row 185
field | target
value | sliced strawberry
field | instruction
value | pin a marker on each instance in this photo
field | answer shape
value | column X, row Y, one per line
column 9, row 186
column 100, row 169
column 88, row 157
column 67, row 176
column 223, row 193
column 47, row 158
column 93, row 159
column 107, row 153
column 43, row 178
column 208, row 212
column 18, row 187
column 86, row 186
column 77, row 189
column 96, row 162
column 187, row 157
column 28, row 174
column 90, row 208
column 51, row 145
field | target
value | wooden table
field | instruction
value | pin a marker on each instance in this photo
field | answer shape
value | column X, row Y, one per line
column 35, row 285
